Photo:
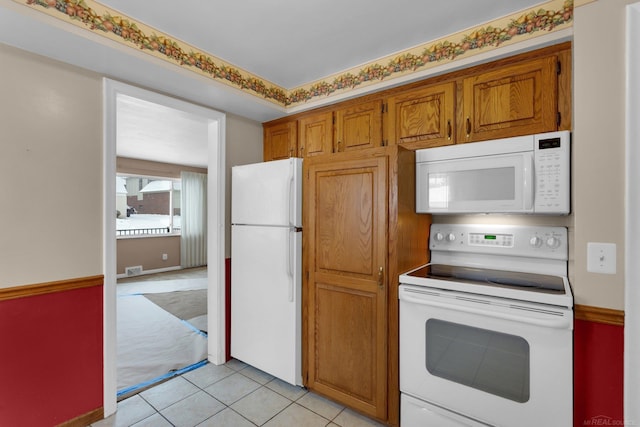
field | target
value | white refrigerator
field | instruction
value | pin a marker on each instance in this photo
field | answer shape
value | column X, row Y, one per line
column 266, row 267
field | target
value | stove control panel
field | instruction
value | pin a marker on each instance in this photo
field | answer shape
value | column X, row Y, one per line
column 511, row 240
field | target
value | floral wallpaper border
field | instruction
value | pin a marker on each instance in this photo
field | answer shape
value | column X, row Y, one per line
column 91, row 15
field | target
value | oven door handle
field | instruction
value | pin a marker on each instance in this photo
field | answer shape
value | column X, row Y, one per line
column 558, row 321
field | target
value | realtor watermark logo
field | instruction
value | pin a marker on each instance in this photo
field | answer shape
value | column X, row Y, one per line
column 603, row 420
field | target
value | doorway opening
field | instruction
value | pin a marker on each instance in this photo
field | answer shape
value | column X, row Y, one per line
column 214, row 152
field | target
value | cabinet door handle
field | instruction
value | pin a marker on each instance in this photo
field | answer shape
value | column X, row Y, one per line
column 448, row 129
column 468, row 127
column 381, row 277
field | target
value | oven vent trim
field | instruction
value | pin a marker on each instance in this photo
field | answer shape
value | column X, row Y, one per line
column 538, row 310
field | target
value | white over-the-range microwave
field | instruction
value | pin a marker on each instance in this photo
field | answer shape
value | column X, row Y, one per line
column 526, row 174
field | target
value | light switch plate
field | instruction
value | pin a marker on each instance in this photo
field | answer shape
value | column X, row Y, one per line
column 601, row 258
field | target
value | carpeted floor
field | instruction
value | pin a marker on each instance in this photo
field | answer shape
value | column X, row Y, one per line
column 184, row 305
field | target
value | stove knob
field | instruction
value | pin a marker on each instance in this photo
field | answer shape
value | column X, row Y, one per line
column 439, row 237
column 553, row 242
column 451, row 237
column 535, row 241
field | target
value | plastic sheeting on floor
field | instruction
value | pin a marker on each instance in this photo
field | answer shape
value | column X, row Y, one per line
column 152, row 342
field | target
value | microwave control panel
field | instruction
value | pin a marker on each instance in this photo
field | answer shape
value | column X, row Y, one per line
column 552, row 159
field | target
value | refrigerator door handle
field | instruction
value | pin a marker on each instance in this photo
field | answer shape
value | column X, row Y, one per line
column 290, row 261
column 291, row 194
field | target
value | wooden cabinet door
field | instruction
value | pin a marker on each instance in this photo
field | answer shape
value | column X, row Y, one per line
column 514, row 100
column 316, row 134
column 424, row 117
column 280, row 141
column 346, row 232
column 359, row 126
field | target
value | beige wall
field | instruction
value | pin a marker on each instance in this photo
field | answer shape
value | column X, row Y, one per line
column 50, row 170
column 51, row 131
column 147, row 252
column 51, row 136
column 598, row 153
column 599, row 147
column 244, row 146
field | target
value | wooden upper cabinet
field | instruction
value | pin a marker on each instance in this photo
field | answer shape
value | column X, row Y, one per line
column 423, row 117
column 346, row 211
column 315, row 134
column 512, row 100
column 280, row 141
column 359, row 126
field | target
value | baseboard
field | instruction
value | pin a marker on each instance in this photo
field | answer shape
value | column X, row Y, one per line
column 50, row 287
column 85, row 419
column 599, row 315
column 145, row 272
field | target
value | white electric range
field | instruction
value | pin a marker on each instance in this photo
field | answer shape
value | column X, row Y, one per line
column 486, row 329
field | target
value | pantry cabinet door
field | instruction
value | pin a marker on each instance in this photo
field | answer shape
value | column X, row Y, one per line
column 346, row 305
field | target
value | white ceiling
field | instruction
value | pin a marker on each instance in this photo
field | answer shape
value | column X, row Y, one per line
column 150, row 131
column 287, row 42
column 293, row 42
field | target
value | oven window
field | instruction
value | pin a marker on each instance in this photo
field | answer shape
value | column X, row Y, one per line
column 490, row 361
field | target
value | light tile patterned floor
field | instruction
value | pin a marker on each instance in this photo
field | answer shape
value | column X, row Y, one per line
column 230, row 395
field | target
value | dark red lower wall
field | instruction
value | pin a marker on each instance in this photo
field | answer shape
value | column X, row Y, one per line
column 228, row 307
column 598, row 374
column 51, row 357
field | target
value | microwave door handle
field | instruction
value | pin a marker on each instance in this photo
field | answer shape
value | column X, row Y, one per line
column 529, row 182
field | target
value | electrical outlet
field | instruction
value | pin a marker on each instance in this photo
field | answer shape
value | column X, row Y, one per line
column 165, row 257
column 601, row 258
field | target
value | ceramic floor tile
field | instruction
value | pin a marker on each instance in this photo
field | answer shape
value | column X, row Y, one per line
column 296, row 415
column 156, row 420
column 261, row 405
column 257, row 375
column 232, row 388
column 129, row 412
column 192, row 410
column 168, row 393
column 289, row 391
column 320, row 405
column 227, row 418
column 349, row 418
column 208, row 374
column 235, row 364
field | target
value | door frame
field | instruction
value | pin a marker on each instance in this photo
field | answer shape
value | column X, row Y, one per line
column 216, row 219
column 632, row 227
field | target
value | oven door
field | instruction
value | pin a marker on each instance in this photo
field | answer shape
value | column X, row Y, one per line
column 495, row 361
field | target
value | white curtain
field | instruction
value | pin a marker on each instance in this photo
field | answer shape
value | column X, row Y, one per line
column 193, row 213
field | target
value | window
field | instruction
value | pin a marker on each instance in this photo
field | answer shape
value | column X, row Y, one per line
column 147, row 205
